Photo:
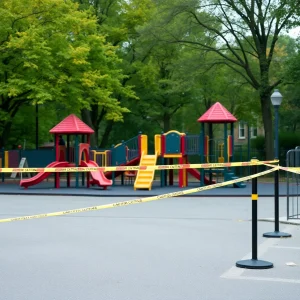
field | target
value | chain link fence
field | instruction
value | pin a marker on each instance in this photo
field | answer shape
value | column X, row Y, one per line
column 293, row 185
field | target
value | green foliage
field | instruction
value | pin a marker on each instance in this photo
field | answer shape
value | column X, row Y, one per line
column 95, row 58
column 243, row 37
column 52, row 52
column 258, row 142
column 24, row 125
column 290, row 109
column 287, row 141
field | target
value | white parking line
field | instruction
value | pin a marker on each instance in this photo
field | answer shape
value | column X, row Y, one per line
column 236, row 273
column 286, row 247
column 266, row 279
column 262, row 249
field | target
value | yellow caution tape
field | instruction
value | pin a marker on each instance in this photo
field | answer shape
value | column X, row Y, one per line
column 136, row 168
column 287, row 169
column 136, row 201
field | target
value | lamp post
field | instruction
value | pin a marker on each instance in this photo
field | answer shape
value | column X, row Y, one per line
column 276, row 99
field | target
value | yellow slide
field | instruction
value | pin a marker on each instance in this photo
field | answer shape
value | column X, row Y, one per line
column 144, row 178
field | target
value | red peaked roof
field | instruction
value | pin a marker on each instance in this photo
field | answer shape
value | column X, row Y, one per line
column 217, row 114
column 71, row 125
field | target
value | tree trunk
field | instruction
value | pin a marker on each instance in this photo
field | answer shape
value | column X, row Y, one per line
column 5, row 133
column 87, row 118
column 167, row 122
column 268, row 124
column 108, row 129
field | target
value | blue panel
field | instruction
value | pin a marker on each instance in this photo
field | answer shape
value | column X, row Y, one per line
column 39, row 158
column 119, row 155
column 173, row 143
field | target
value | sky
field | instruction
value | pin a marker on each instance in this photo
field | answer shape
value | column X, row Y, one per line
column 294, row 32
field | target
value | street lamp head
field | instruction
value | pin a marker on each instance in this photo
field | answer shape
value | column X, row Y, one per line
column 276, row 98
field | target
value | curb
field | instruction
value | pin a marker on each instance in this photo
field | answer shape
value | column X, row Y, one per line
column 135, row 195
column 289, row 222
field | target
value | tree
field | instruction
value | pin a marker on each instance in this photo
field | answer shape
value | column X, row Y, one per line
column 162, row 83
column 290, row 108
column 117, row 20
column 240, row 33
column 50, row 51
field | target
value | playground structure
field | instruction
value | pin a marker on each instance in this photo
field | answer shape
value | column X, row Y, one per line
column 218, row 150
column 67, row 156
column 175, row 145
column 170, row 147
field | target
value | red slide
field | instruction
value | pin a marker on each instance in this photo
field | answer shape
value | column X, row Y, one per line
column 42, row 175
column 197, row 175
column 98, row 176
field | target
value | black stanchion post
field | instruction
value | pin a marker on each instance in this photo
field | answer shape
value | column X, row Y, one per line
column 276, row 233
column 254, row 263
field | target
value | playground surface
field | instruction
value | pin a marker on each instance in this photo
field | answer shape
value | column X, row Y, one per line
column 172, row 249
column 47, row 188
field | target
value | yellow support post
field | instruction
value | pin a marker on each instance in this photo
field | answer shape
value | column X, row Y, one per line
column 221, row 153
column 6, row 159
column 157, row 143
column 103, row 157
column 144, row 144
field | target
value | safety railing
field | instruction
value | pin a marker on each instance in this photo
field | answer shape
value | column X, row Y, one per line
column 126, row 151
column 102, row 158
column 132, row 148
column 192, row 144
column 293, row 184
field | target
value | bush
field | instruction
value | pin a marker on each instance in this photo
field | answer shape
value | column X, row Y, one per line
column 258, row 143
column 287, row 141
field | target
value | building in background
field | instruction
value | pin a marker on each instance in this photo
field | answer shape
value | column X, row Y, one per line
column 242, row 130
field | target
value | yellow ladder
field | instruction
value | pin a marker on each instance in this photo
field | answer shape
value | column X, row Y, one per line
column 144, row 178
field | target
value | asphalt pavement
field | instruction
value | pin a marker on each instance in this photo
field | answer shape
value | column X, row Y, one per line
column 172, row 249
column 118, row 190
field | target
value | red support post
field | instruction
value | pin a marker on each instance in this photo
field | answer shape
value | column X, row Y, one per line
column 182, row 180
column 57, row 185
column 180, row 174
column 56, row 139
column 206, row 141
column 139, row 145
column 182, row 145
column 171, row 172
column 185, row 172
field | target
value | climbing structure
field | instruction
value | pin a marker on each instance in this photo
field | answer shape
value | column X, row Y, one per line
column 75, row 155
column 221, row 150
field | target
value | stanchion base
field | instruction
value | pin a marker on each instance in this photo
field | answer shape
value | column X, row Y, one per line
column 277, row 234
column 254, row 264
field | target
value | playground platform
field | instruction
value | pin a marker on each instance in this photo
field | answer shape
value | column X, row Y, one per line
column 118, row 190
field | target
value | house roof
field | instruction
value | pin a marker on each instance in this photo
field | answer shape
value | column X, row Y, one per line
column 217, row 114
column 71, row 125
